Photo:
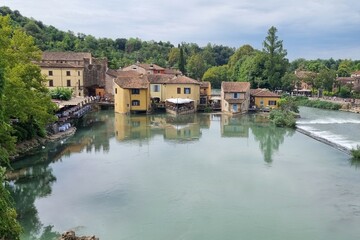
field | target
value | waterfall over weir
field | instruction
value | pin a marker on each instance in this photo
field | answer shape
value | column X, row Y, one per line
column 336, row 128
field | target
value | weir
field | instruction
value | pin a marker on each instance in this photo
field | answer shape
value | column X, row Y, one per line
column 337, row 129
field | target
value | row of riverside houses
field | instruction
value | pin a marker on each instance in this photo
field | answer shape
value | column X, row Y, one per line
column 145, row 87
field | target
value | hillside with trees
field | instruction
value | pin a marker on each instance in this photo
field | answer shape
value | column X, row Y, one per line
column 266, row 68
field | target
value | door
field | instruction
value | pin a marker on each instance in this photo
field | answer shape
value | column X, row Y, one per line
column 235, row 107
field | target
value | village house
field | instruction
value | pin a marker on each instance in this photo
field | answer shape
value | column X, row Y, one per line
column 78, row 71
column 263, row 99
column 165, row 88
column 132, row 93
column 235, row 97
column 145, row 68
column 302, row 86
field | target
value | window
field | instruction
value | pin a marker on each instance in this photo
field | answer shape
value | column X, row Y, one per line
column 272, row 103
column 156, row 88
column 187, row 90
column 51, row 83
column 68, row 83
column 115, row 90
column 135, row 91
column 68, row 73
column 236, row 95
column 50, row 73
column 135, row 103
column 78, row 73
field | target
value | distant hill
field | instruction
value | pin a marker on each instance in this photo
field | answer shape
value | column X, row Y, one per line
column 120, row 52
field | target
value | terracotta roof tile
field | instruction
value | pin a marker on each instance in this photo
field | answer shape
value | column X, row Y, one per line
column 170, row 79
column 205, row 84
column 149, row 66
column 235, row 86
column 233, row 100
column 53, row 56
column 262, row 93
column 129, row 80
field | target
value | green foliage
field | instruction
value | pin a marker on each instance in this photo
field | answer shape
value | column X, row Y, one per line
column 61, row 93
column 216, row 75
column 317, row 104
column 345, row 92
column 9, row 227
column 282, row 118
column 355, row 152
column 288, row 104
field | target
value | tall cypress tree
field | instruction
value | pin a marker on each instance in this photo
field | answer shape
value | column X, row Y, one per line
column 181, row 60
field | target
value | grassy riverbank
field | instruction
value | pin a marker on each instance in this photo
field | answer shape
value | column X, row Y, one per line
column 304, row 101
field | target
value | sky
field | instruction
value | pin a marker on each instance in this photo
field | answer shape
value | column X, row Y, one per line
column 309, row 29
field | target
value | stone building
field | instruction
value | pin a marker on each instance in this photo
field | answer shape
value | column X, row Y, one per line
column 79, row 71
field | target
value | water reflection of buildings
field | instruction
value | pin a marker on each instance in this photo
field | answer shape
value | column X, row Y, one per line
column 234, row 126
column 172, row 128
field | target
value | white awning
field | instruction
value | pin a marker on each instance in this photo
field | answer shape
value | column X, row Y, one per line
column 179, row 100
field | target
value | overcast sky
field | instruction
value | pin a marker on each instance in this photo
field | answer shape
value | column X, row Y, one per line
column 309, row 28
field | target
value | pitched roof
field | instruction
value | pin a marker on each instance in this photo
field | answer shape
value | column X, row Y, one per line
column 172, row 71
column 262, row 93
column 149, row 66
column 159, row 78
column 131, row 79
column 204, row 84
column 235, row 86
column 76, row 56
column 112, row 72
column 170, row 79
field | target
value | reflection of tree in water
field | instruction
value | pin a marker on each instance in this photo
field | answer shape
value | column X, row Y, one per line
column 269, row 137
column 28, row 184
column 355, row 163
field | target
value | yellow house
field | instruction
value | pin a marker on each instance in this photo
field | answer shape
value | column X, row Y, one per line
column 64, row 75
column 76, row 70
column 263, row 98
column 235, row 97
column 163, row 87
column 131, row 93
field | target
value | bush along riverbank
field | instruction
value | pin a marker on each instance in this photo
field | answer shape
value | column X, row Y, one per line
column 304, row 101
column 285, row 115
column 355, row 153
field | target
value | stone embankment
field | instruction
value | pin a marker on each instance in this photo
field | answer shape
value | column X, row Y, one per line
column 70, row 235
column 26, row 147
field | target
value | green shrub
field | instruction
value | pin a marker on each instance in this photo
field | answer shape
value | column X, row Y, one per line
column 61, row 93
column 355, row 152
column 318, row 104
column 283, row 118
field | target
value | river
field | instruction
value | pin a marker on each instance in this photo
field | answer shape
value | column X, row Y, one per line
column 202, row 176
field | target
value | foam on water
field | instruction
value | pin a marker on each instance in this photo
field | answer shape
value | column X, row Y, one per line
column 331, row 137
column 329, row 121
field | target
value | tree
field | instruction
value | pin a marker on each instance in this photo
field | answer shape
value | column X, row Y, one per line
column 345, row 68
column 327, row 78
column 174, row 57
column 216, row 75
column 196, row 66
column 289, row 82
column 276, row 63
column 182, row 62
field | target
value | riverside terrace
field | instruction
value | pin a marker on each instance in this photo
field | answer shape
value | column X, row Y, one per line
column 71, row 110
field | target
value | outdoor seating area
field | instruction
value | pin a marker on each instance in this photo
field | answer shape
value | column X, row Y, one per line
column 179, row 106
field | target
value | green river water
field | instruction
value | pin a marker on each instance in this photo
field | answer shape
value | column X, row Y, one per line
column 203, row 176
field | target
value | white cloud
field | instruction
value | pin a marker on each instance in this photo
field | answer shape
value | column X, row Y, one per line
column 216, row 21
